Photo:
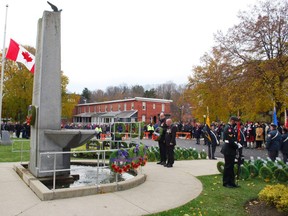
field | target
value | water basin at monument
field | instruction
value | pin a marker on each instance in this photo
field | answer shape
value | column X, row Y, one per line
column 89, row 176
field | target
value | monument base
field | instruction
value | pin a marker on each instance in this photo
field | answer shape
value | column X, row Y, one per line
column 45, row 193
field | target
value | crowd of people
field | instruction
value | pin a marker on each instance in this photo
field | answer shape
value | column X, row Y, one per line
column 17, row 129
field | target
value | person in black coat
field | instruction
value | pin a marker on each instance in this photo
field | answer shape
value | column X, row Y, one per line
column 229, row 150
column 170, row 140
column 211, row 140
column 161, row 141
column 197, row 133
column 273, row 142
column 284, row 145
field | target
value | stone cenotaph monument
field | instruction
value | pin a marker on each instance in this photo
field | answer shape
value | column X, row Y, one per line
column 46, row 132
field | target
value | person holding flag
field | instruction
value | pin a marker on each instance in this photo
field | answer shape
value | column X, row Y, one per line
column 210, row 138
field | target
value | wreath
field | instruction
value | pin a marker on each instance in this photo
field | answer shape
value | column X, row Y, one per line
column 259, row 163
column 270, row 163
column 135, row 131
column 138, row 156
column 31, row 115
column 151, row 156
column 281, row 175
column 118, row 129
column 244, row 173
column 253, row 170
column 220, row 166
column 266, row 173
column 185, row 154
column 119, row 161
column 203, row 155
column 195, row 154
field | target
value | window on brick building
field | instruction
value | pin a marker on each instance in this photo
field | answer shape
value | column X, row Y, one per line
column 143, row 105
column 111, row 108
column 119, row 107
column 163, row 107
column 143, row 118
column 154, row 105
column 132, row 106
column 125, row 106
column 106, row 108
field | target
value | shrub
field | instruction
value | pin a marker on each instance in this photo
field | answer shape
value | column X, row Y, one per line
column 275, row 195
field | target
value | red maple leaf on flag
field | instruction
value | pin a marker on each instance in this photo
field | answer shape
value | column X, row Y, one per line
column 26, row 56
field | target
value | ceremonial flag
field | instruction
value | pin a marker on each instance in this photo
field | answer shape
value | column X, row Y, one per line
column 20, row 54
column 208, row 119
column 275, row 116
column 286, row 119
column 207, row 128
column 238, row 127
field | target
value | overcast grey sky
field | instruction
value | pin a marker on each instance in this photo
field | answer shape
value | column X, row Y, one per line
column 115, row 42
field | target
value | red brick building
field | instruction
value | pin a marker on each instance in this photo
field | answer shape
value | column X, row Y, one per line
column 126, row 110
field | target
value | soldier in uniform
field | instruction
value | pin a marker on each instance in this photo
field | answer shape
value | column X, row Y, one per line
column 170, row 140
column 161, row 141
column 273, row 142
column 211, row 140
column 229, row 150
column 284, row 145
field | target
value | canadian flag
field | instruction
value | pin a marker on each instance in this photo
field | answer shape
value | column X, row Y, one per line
column 20, row 54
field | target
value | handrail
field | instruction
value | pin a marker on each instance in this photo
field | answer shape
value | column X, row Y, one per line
column 55, row 170
column 21, row 149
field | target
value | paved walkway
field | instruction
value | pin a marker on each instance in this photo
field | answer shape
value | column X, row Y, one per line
column 165, row 188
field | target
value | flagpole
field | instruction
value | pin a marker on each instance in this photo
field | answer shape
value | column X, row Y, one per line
column 2, row 69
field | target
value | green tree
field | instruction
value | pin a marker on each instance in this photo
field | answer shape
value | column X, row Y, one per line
column 258, row 46
column 86, row 94
column 150, row 93
column 17, row 89
column 69, row 100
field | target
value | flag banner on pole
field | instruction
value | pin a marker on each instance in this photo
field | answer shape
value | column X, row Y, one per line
column 275, row 116
column 20, row 54
column 208, row 119
column 286, row 119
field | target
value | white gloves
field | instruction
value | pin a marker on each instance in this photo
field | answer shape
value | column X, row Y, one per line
column 239, row 145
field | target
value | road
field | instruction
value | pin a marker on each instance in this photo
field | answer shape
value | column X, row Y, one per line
column 248, row 153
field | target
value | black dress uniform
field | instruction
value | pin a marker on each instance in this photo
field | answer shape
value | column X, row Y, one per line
column 161, row 142
column 273, row 143
column 170, row 140
column 211, row 140
column 229, row 150
column 284, row 145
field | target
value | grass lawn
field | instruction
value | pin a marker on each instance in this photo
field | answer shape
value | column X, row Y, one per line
column 217, row 200
column 12, row 153
column 214, row 200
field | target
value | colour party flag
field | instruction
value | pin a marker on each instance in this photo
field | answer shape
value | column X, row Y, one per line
column 20, row 54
